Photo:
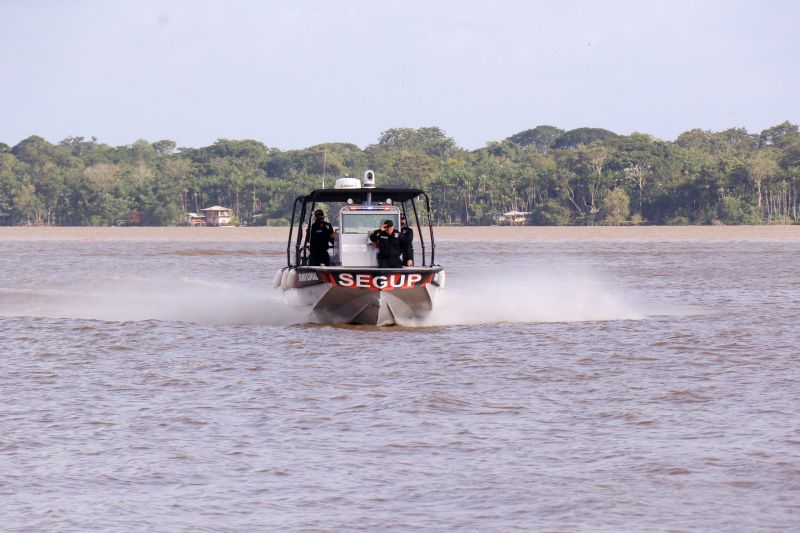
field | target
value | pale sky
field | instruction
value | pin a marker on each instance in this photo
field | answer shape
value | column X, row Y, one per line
column 293, row 74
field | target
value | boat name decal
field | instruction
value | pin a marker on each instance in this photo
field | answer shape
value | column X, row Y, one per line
column 380, row 282
column 305, row 277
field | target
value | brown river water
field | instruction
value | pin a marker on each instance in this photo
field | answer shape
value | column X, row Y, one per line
column 569, row 379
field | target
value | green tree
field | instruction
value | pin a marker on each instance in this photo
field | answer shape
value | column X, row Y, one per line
column 540, row 137
column 760, row 167
column 164, row 147
column 550, row 213
column 580, row 136
column 781, row 135
column 616, row 207
column 28, row 204
column 433, row 141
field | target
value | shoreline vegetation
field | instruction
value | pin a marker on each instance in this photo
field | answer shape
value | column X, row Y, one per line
column 544, row 176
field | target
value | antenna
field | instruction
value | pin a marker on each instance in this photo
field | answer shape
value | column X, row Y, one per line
column 324, row 162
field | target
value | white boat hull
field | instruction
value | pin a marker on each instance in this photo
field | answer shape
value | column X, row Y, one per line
column 368, row 296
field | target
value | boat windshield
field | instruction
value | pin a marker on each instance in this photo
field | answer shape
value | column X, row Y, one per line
column 366, row 222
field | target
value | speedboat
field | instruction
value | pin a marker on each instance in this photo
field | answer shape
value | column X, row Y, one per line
column 353, row 289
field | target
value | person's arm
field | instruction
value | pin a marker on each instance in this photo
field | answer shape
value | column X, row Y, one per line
column 408, row 250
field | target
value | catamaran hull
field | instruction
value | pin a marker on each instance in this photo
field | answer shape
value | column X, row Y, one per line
column 375, row 297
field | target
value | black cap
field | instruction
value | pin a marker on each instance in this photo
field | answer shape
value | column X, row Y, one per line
column 319, row 213
column 388, row 222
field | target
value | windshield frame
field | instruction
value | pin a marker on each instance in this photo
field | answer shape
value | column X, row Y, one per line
column 374, row 220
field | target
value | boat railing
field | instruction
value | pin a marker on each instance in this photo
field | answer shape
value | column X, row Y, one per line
column 304, row 218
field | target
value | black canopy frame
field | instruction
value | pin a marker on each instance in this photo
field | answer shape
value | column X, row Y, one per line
column 304, row 207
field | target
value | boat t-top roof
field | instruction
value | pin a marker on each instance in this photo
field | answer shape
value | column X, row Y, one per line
column 360, row 195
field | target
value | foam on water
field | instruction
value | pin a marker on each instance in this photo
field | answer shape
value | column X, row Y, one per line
column 554, row 295
column 184, row 299
column 558, row 294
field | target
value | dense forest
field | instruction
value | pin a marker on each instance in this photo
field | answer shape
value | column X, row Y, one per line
column 582, row 176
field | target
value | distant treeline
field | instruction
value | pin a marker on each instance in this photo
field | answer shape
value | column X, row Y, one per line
column 582, row 176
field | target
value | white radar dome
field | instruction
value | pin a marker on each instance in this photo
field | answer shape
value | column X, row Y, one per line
column 347, row 183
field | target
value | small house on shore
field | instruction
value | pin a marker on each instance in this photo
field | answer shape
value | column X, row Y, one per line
column 5, row 219
column 514, row 218
column 194, row 219
column 134, row 218
column 217, row 216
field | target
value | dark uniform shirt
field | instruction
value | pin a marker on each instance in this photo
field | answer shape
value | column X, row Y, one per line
column 321, row 236
column 390, row 247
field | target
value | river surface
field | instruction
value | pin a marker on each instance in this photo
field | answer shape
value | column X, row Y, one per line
column 580, row 379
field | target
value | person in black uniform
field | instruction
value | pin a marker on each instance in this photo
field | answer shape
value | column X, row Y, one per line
column 407, row 236
column 389, row 243
column 321, row 239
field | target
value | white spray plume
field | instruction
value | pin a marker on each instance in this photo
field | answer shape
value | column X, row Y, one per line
column 176, row 300
column 555, row 295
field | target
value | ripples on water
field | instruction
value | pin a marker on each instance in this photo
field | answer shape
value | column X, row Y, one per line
column 589, row 386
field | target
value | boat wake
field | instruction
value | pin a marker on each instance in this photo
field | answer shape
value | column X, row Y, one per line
column 558, row 295
column 482, row 298
column 123, row 299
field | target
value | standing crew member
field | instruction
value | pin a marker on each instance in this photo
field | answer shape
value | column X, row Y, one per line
column 321, row 239
column 407, row 237
column 390, row 247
